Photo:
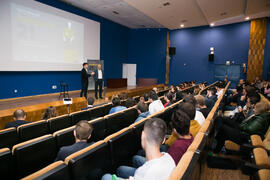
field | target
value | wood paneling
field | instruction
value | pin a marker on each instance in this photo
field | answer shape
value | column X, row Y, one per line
column 256, row 48
column 167, row 60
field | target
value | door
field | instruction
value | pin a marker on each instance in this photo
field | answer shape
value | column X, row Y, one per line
column 232, row 72
column 129, row 72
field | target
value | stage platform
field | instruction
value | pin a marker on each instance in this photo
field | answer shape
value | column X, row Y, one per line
column 35, row 106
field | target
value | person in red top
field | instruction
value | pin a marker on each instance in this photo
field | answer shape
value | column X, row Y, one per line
column 168, row 98
column 180, row 123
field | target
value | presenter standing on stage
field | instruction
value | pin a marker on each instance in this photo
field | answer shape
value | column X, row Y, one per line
column 98, row 77
column 84, row 77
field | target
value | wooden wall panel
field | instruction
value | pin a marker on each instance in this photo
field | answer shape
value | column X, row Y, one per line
column 256, row 48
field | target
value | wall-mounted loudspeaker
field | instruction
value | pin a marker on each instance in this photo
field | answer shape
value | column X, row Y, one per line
column 211, row 57
column 172, row 51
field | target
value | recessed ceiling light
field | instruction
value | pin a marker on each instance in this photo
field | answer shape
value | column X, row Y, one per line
column 182, row 25
column 212, row 24
column 247, row 18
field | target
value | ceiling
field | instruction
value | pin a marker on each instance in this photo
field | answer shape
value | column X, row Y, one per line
column 172, row 13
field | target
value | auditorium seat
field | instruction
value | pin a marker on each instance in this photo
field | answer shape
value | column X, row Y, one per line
column 54, row 171
column 99, row 132
column 123, row 102
column 59, row 122
column 64, row 137
column 130, row 115
column 90, row 163
column 34, row 154
column 206, row 126
column 137, row 130
column 187, row 168
column 115, row 122
column 261, row 158
column 122, row 146
column 264, row 174
column 33, row 130
column 80, row 115
column 137, row 99
column 8, row 137
column 6, row 164
column 100, row 111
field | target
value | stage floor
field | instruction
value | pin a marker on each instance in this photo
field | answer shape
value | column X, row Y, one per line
column 40, row 99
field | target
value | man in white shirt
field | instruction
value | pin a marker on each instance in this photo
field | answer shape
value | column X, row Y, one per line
column 199, row 117
column 99, row 78
column 155, row 104
column 158, row 165
column 219, row 90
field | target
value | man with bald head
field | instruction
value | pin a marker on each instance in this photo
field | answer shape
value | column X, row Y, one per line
column 99, row 78
column 19, row 117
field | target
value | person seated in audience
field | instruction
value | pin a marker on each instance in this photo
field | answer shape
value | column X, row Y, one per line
column 199, row 117
column 210, row 98
column 169, row 99
column 240, row 133
column 178, row 96
column 130, row 102
column 158, row 165
column 220, row 89
column 201, row 105
column 123, row 96
column 155, row 104
column 196, row 90
column 19, row 117
column 90, row 103
column 50, row 112
column 82, row 134
column 143, row 111
column 116, row 106
column 155, row 89
column 266, row 89
column 194, row 128
column 181, row 124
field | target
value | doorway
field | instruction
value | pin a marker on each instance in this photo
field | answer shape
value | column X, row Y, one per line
column 231, row 71
column 129, row 72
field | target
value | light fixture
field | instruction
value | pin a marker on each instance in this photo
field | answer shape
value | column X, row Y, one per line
column 212, row 24
column 247, row 18
column 182, row 25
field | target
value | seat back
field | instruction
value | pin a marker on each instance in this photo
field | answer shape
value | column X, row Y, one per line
column 99, row 131
column 59, row 122
column 8, row 137
column 64, row 137
column 90, row 163
column 100, row 111
column 6, row 164
column 78, row 116
column 137, row 130
column 34, row 154
column 33, row 130
column 56, row 170
column 115, row 122
column 122, row 147
column 130, row 115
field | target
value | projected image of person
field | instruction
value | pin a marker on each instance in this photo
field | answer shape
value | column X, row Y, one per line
column 84, row 77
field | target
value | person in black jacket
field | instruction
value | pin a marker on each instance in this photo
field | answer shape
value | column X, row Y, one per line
column 84, row 78
column 99, row 78
column 19, row 119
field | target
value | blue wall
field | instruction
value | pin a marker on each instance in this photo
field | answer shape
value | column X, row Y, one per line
column 231, row 42
column 147, row 49
column 266, row 63
column 113, row 50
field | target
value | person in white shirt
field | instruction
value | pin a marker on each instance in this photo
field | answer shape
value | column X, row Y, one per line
column 158, row 165
column 199, row 117
column 99, row 78
column 155, row 104
column 219, row 90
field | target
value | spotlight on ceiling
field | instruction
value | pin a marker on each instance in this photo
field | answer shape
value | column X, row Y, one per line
column 247, row 18
column 182, row 25
column 212, row 24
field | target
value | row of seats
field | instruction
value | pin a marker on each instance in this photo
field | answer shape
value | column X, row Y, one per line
column 103, row 156
column 189, row 167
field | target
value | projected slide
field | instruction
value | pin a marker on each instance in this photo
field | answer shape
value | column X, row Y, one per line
column 42, row 37
column 38, row 37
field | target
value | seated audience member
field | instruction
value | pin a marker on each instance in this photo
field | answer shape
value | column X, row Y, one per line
column 169, row 99
column 239, row 133
column 130, row 102
column 123, row 96
column 181, row 124
column 201, row 105
column 158, row 165
column 19, row 117
column 82, row 133
column 210, row 98
column 220, row 90
column 199, row 117
column 116, row 106
column 155, row 89
column 266, row 89
column 50, row 112
column 178, row 96
column 143, row 112
column 90, row 102
column 155, row 104
column 194, row 128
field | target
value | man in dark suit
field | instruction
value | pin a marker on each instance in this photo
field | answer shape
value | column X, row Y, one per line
column 84, row 78
column 99, row 78
column 19, row 117
column 82, row 133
